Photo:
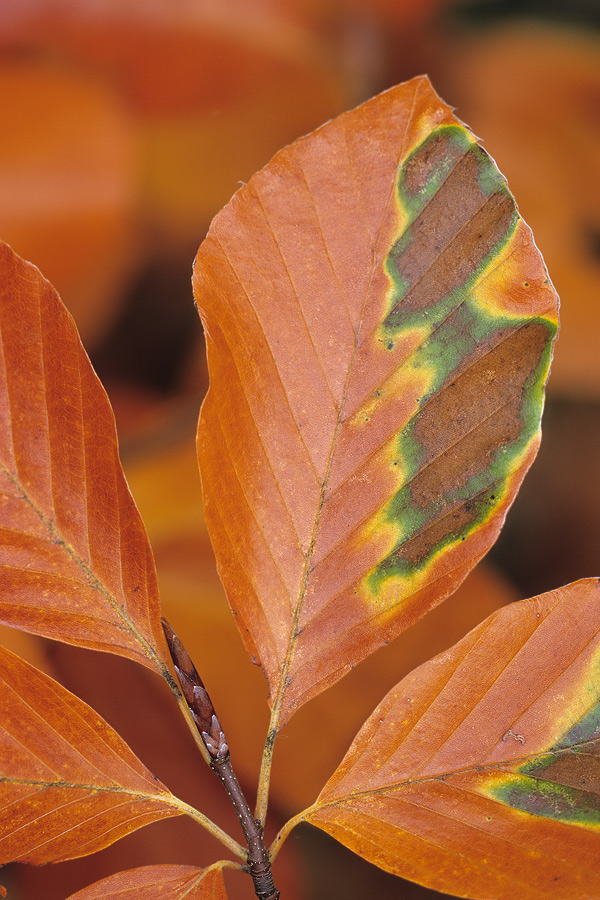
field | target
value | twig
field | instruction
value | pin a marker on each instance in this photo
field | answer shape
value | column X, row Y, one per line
column 209, row 727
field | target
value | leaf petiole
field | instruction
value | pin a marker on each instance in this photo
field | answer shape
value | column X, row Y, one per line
column 222, row 836
column 284, row 832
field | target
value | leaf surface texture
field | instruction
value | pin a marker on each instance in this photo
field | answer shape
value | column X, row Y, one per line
column 75, row 563
column 378, row 325
column 158, row 883
column 69, row 785
column 481, row 768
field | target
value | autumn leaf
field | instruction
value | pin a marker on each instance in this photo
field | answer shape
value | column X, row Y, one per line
column 153, row 882
column 75, row 561
column 481, row 767
column 378, row 325
column 69, row 785
column 68, row 193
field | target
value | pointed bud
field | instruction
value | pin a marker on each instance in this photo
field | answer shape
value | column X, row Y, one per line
column 196, row 695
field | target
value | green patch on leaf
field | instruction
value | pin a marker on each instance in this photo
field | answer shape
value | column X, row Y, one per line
column 485, row 370
column 425, row 170
column 549, row 800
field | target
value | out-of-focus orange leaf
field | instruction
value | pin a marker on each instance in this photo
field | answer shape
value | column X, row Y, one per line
column 533, row 93
column 378, row 324
column 69, row 785
column 216, row 89
column 27, row 646
column 158, row 883
column 67, row 180
column 74, row 555
column 166, row 486
column 194, row 163
column 410, row 14
column 480, row 769
column 171, row 56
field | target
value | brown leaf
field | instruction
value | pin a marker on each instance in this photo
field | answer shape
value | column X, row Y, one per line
column 158, row 883
column 74, row 556
column 479, row 771
column 378, row 327
column 69, row 785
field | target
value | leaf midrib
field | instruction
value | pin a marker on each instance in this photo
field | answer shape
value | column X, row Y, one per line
column 56, row 538
column 476, row 768
column 287, row 662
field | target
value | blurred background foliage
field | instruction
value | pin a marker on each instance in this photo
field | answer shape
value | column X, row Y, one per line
column 127, row 124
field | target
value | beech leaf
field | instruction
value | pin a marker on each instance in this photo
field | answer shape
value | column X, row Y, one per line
column 75, row 562
column 379, row 327
column 158, row 883
column 69, row 785
column 481, row 767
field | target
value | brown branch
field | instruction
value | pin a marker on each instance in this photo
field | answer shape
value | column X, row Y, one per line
column 207, row 722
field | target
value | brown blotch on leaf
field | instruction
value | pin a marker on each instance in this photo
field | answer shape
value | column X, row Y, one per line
column 580, row 770
column 453, row 523
column 438, row 151
column 483, row 412
column 449, row 239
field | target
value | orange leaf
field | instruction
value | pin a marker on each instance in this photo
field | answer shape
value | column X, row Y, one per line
column 69, row 785
column 481, row 767
column 75, row 560
column 154, row 882
column 68, row 193
column 378, row 327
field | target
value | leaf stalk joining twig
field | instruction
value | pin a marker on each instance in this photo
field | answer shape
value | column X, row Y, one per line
column 213, row 738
